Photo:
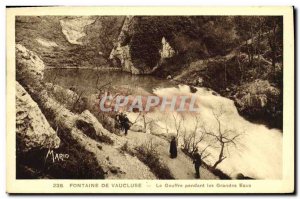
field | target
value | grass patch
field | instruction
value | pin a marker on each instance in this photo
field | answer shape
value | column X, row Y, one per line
column 148, row 154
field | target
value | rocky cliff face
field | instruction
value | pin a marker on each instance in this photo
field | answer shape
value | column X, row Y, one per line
column 146, row 44
column 61, row 41
column 120, row 53
column 32, row 129
column 74, row 28
column 167, row 51
column 29, row 62
column 138, row 44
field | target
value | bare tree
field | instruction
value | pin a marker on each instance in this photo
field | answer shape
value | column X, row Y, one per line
column 192, row 139
column 147, row 122
column 77, row 102
column 99, row 86
column 165, row 128
column 178, row 121
column 224, row 137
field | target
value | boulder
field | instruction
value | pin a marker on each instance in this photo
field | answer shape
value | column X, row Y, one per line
column 92, row 121
column 32, row 128
column 137, row 128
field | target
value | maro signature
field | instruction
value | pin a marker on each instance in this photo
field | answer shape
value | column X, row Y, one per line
column 56, row 157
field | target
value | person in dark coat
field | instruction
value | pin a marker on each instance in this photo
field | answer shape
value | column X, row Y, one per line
column 124, row 122
column 197, row 163
column 173, row 148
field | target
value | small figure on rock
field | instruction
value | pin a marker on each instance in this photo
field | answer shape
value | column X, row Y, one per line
column 197, row 163
column 173, row 148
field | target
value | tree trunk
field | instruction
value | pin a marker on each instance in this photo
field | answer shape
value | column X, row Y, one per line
column 221, row 156
column 225, row 75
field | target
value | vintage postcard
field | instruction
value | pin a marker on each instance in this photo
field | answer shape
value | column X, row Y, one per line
column 133, row 100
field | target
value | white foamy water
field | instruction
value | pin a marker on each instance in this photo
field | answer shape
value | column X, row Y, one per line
column 258, row 150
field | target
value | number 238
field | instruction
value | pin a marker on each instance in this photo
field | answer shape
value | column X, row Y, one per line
column 58, row 185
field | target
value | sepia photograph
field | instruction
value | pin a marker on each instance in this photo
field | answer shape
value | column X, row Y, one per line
column 149, row 97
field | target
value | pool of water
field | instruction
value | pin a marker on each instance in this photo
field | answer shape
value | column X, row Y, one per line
column 86, row 79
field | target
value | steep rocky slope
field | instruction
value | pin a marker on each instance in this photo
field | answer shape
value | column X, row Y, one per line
column 81, row 131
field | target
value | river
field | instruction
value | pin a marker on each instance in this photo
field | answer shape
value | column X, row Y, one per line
column 256, row 152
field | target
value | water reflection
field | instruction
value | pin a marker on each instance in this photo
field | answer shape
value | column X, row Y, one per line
column 85, row 79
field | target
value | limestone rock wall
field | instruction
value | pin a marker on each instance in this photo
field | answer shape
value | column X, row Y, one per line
column 74, row 29
column 29, row 62
column 121, row 51
column 167, row 51
column 32, row 128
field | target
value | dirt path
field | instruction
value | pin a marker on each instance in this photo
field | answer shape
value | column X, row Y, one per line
column 182, row 167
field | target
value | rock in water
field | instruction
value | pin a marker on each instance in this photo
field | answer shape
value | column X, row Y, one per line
column 32, row 128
